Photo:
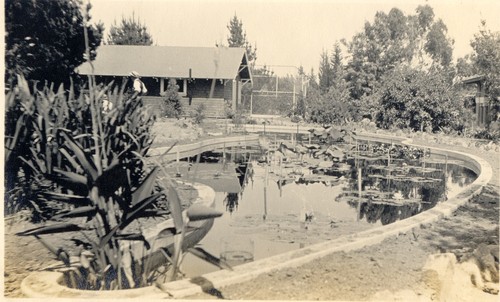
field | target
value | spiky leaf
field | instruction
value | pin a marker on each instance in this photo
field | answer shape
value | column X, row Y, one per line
column 71, row 181
column 198, row 212
column 87, row 211
column 51, row 229
column 176, row 207
column 67, row 198
column 84, row 159
column 204, row 255
column 129, row 217
column 145, row 188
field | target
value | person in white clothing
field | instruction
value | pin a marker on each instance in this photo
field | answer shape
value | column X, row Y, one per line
column 138, row 86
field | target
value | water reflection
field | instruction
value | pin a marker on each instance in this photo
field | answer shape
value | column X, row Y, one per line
column 396, row 182
column 231, row 202
column 300, row 200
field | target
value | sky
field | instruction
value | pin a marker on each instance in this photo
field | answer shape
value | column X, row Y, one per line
column 287, row 33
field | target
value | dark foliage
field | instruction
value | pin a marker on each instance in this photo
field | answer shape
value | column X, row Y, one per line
column 45, row 39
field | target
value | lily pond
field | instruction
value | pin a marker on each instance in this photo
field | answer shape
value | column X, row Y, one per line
column 284, row 195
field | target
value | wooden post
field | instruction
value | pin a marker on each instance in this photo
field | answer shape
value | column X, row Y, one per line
column 297, row 136
column 251, row 104
column 265, row 203
column 212, row 88
column 359, row 193
column 234, row 93
column 281, row 166
column 224, row 153
column 276, row 86
column 281, row 175
column 265, row 192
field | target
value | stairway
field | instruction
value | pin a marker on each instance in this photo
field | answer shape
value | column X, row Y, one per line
column 214, row 108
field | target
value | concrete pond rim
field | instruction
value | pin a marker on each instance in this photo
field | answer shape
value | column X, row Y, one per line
column 47, row 284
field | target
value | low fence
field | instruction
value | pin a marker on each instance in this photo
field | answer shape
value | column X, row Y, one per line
column 188, row 150
column 272, row 103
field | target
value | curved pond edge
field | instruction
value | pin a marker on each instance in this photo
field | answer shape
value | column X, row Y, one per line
column 45, row 284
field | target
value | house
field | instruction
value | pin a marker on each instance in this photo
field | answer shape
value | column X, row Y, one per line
column 213, row 76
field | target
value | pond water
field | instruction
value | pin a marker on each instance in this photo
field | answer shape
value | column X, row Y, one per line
column 288, row 200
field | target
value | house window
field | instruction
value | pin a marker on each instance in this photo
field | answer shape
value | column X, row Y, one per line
column 182, row 83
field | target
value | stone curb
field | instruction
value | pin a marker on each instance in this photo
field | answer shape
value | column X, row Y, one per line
column 248, row 271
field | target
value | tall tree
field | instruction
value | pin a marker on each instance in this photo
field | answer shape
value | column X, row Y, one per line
column 336, row 62
column 336, row 59
column 129, row 32
column 325, row 72
column 238, row 38
column 45, row 39
column 438, row 46
column 394, row 39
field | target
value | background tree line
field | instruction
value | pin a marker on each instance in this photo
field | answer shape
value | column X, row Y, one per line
column 381, row 73
column 399, row 73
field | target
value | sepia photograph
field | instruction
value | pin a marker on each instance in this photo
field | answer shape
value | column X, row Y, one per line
column 327, row 150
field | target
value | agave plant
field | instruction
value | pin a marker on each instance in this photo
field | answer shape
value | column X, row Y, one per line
column 88, row 177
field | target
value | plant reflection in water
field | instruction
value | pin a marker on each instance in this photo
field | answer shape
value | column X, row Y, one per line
column 396, row 182
column 287, row 202
column 275, row 196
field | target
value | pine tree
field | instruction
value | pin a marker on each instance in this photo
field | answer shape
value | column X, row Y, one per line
column 238, row 38
column 129, row 32
column 336, row 63
column 325, row 72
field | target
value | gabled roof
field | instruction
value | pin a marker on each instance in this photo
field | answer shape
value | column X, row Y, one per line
column 474, row 79
column 169, row 61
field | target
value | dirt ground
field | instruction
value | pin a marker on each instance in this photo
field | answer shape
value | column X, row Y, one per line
column 390, row 270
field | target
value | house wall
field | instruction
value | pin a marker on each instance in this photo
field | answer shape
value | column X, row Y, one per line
column 225, row 92
column 199, row 88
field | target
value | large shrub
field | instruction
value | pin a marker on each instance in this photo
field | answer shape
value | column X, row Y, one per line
column 36, row 124
column 81, row 166
column 171, row 100
column 418, row 100
column 73, row 160
column 332, row 107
